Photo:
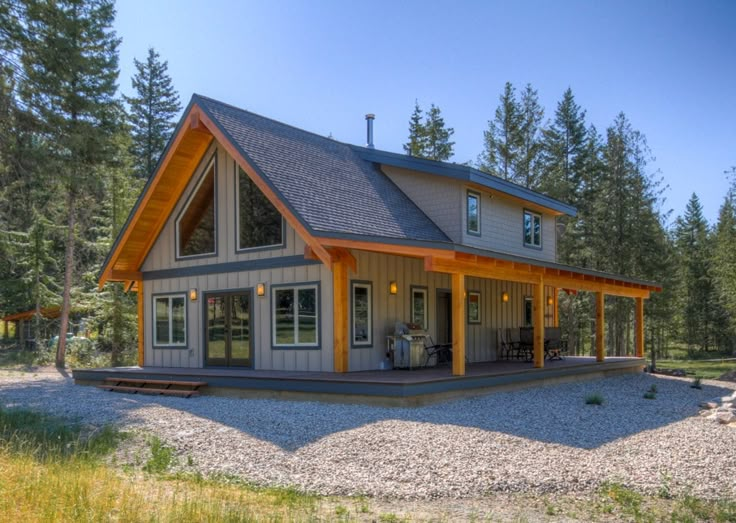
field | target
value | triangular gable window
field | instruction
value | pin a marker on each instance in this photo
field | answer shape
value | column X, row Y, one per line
column 195, row 227
column 259, row 223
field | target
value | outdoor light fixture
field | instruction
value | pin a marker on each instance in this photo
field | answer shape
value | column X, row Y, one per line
column 393, row 288
column 261, row 289
column 193, row 294
column 550, row 300
column 504, row 296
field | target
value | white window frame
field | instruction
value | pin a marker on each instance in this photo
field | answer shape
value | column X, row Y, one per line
column 534, row 216
column 238, row 248
column 472, row 194
column 212, row 164
column 369, row 287
column 479, row 319
column 528, row 302
column 421, row 290
column 170, row 343
column 318, row 313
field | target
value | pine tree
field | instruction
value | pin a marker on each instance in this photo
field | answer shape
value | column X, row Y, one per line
column 417, row 143
column 430, row 138
column 724, row 271
column 502, row 141
column 151, row 112
column 70, row 62
column 527, row 166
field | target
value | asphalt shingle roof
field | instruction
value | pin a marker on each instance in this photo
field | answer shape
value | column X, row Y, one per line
column 327, row 185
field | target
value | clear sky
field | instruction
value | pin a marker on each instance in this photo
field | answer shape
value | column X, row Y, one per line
column 321, row 65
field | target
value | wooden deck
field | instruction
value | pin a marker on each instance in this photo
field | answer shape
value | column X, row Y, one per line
column 394, row 387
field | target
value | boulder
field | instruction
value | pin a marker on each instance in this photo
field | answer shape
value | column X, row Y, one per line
column 725, row 417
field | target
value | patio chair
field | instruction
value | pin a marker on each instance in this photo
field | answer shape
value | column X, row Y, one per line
column 553, row 343
column 507, row 347
column 526, row 343
column 442, row 352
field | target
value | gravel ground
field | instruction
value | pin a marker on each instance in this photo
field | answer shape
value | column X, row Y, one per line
column 538, row 440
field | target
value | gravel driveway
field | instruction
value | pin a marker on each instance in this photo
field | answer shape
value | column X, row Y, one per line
column 539, row 440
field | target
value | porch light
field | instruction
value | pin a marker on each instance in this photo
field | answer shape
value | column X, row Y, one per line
column 504, row 296
column 393, row 288
column 193, row 294
column 261, row 289
column 550, row 300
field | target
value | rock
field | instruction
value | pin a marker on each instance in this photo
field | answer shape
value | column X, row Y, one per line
column 708, row 405
column 725, row 417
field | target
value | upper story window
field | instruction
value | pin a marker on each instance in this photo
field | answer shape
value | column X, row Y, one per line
column 196, row 224
column 473, row 212
column 532, row 229
column 259, row 223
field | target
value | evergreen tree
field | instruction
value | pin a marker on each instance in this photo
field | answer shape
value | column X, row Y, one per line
column 531, row 114
column 696, row 293
column 70, row 62
column 417, row 143
column 724, row 272
column 151, row 111
column 502, row 141
column 430, row 138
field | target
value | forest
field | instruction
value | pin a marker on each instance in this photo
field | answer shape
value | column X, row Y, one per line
column 75, row 154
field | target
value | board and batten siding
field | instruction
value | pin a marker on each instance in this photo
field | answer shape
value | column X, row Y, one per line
column 163, row 253
column 481, row 339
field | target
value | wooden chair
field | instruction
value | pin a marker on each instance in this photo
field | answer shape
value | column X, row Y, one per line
column 526, row 343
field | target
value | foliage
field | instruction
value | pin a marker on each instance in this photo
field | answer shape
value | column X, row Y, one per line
column 502, row 141
column 594, row 399
column 162, row 457
column 430, row 138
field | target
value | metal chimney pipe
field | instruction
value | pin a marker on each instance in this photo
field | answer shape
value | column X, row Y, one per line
column 369, row 123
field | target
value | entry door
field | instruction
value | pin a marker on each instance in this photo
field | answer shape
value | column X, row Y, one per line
column 444, row 316
column 228, row 329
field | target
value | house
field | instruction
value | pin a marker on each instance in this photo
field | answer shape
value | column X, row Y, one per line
column 259, row 245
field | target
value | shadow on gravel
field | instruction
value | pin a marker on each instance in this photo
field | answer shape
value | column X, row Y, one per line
column 551, row 414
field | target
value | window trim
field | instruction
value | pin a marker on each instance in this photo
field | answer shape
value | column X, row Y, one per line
column 368, row 285
column 318, row 323
column 212, row 162
column 480, row 308
column 154, row 331
column 423, row 289
column 238, row 249
column 528, row 300
column 468, row 194
column 533, row 214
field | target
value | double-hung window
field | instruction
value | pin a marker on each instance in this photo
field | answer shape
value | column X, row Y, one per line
column 295, row 316
column 532, row 229
column 419, row 307
column 170, row 325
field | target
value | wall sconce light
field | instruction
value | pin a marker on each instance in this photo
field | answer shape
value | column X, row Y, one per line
column 193, row 294
column 550, row 300
column 393, row 288
column 261, row 289
column 504, row 296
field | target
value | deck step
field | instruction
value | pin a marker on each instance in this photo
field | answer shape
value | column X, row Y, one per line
column 194, row 384
column 144, row 390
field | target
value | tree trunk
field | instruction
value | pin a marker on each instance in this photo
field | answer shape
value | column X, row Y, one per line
column 68, row 273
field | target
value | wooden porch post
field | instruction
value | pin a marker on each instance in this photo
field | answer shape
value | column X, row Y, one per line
column 538, row 323
column 555, row 307
column 340, row 314
column 640, row 327
column 5, row 329
column 458, row 324
column 20, row 328
column 600, row 341
column 141, row 330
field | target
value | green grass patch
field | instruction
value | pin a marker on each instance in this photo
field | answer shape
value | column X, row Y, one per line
column 594, row 399
column 708, row 370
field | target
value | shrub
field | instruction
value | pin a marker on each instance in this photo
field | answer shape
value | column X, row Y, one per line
column 696, row 384
column 653, row 389
column 650, row 395
column 594, row 399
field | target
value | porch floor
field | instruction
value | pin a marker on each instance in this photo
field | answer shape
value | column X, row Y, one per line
column 404, row 387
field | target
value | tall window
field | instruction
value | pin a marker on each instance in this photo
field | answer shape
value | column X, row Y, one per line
column 295, row 316
column 473, row 213
column 195, row 227
column 419, row 307
column 528, row 308
column 362, row 296
column 259, row 223
column 532, row 229
column 170, row 325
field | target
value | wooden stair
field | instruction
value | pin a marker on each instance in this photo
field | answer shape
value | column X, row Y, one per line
column 185, row 389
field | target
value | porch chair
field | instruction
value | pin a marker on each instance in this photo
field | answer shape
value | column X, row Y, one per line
column 442, row 352
column 553, row 343
column 508, row 348
column 526, row 343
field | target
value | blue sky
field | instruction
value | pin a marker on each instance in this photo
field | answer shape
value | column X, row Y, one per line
column 321, row 65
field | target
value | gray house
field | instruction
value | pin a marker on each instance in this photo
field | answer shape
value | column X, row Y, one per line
column 259, row 245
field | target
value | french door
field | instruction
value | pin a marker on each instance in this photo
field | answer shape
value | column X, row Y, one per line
column 228, row 337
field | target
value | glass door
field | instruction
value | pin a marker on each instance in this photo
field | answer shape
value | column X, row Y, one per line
column 228, row 329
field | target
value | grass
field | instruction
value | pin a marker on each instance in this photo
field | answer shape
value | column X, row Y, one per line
column 594, row 399
column 708, row 370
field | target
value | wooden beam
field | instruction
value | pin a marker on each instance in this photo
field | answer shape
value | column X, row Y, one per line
column 479, row 269
column 5, row 329
column 309, row 254
column 538, row 323
column 343, row 255
column 639, row 328
column 600, row 327
column 590, row 285
column 141, row 330
column 340, row 315
column 458, row 324
column 116, row 275
column 388, row 248
column 555, row 307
